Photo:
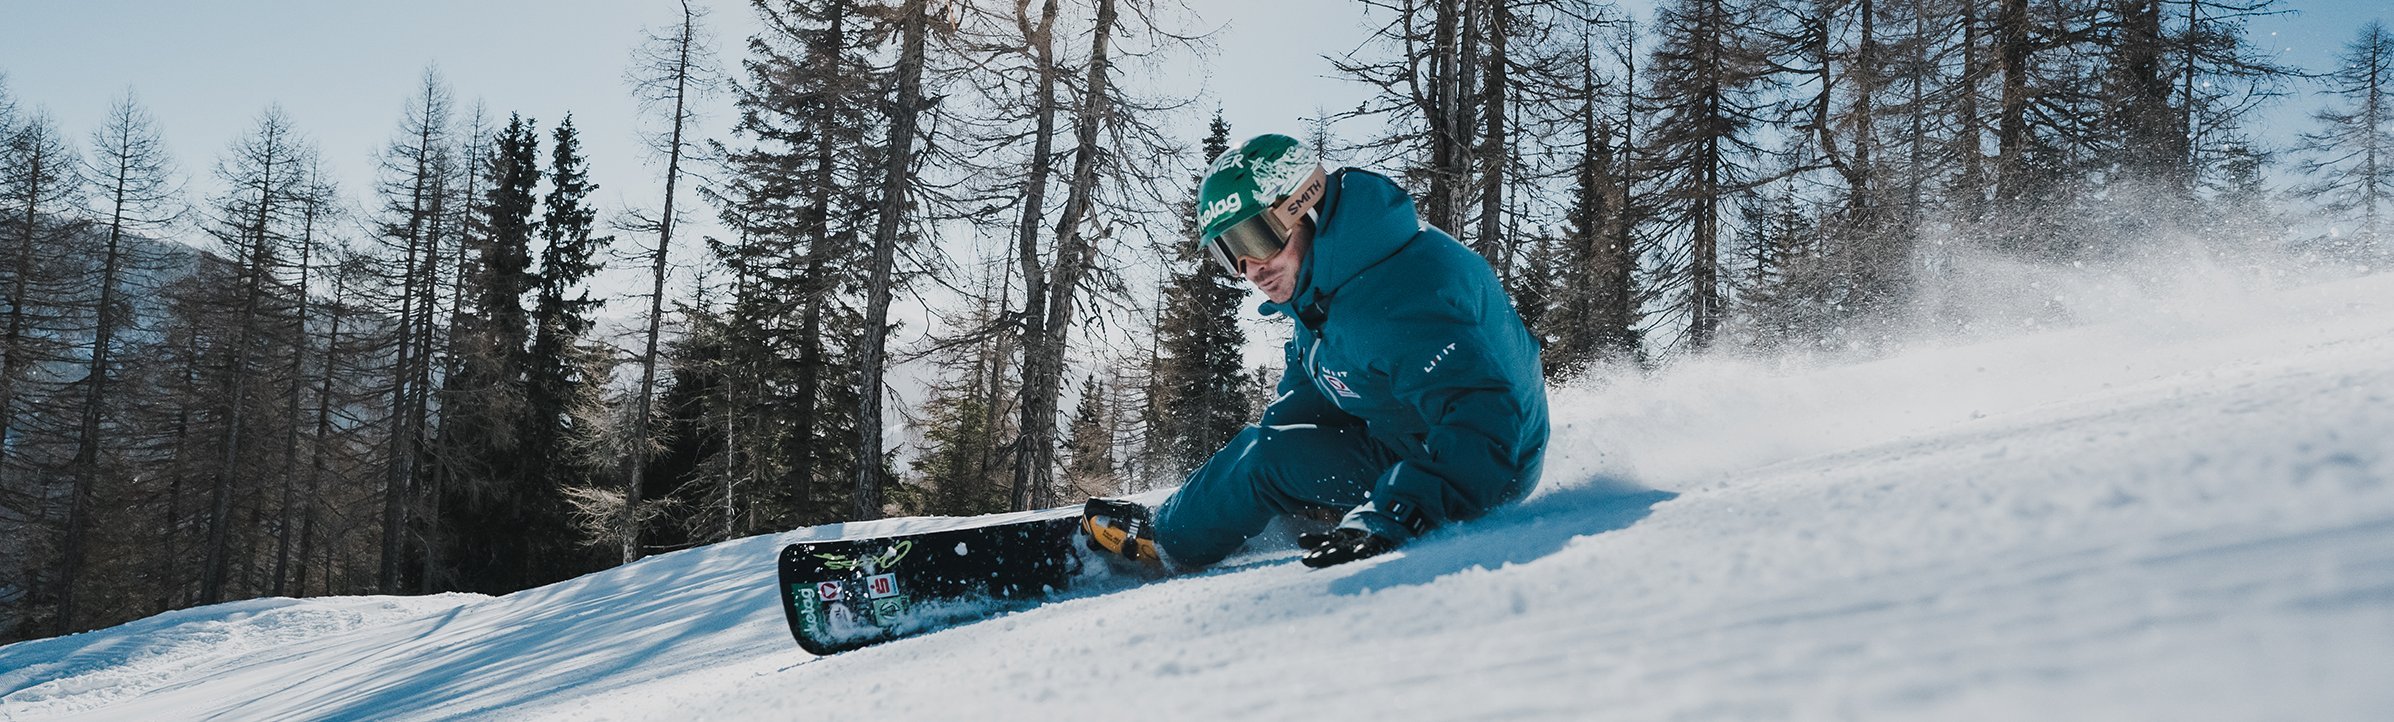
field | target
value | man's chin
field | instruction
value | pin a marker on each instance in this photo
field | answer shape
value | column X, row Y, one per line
column 1272, row 291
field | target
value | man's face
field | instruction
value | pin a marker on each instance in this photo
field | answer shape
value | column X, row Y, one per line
column 1276, row 277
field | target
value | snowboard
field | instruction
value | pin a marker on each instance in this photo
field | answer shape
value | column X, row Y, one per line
column 850, row 593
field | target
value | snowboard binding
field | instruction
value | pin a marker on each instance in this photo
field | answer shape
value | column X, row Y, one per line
column 1123, row 530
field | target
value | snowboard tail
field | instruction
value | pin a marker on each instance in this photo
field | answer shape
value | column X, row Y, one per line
column 851, row 593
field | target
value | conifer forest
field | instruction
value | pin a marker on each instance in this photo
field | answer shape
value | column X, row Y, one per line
column 248, row 380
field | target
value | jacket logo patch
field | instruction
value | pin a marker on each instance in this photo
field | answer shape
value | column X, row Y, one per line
column 1337, row 386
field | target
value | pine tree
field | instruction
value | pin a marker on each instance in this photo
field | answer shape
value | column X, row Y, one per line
column 415, row 186
column 1089, row 468
column 1608, row 212
column 2180, row 76
column 340, row 486
column 1043, row 106
column 896, row 181
column 8, row 108
column 1113, row 156
column 264, row 176
column 1467, row 91
column 798, row 197
column 41, row 194
column 318, row 202
column 1534, row 288
column 491, row 507
column 1594, row 317
column 1785, row 294
column 670, row 69
column 2236, row 185
column 1199, row 377
column 2045, row 159
column 2351, row 156
column 132, row 177
column 557, row 377
column 2152, row 136
column 1705, row 76
column 957, row 470
column 1838, row 53
column 2223, row 77
column 1430, row 93
column 963, row 467
column 710, row 487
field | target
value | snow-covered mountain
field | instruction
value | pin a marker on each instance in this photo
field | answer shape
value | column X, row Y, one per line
column 2184, row 512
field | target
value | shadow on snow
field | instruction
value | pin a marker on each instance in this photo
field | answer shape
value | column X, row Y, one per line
column 1516, row 534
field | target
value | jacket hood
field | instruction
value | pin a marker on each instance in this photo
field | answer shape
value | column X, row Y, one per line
column 1365, row 219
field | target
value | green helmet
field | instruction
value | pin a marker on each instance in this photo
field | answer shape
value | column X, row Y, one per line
column 1269, row 172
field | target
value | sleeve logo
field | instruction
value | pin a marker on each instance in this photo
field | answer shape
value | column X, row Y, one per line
column 1336, row 385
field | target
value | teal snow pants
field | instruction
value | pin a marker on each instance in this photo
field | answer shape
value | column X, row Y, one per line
column 1267, row 471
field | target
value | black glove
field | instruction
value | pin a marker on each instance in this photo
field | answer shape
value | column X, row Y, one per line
column 1341, row 545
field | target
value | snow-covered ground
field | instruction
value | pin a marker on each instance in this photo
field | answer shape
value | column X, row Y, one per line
column 2184, row 512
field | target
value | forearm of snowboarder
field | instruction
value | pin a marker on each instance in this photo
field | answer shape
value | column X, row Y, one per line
column 1475, row 451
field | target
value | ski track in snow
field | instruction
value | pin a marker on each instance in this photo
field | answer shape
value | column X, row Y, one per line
column 2183, row 513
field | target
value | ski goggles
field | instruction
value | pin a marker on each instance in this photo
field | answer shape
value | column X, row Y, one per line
column 1264, row 235
column 1252, row 238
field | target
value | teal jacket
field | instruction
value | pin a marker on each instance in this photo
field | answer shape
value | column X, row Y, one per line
column 1403, row 330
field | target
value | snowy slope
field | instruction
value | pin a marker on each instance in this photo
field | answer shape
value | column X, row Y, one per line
column 2181, row 513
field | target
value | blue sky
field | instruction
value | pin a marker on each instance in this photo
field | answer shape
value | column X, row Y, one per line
column 344, row 70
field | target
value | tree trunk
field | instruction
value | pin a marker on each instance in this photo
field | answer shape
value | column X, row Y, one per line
column 1704, row 287
column 1446, row 115
column 2012, row 38
column 236, row 393
column 40, row 173
column 635, row 462
column 1027, row 477
column 316, row 456
column 297, row 371
column 1492, row 243
column 428, row 457
column 1620, row 305
column 95, row 398
column 1971, row 183
column 895, row 178
column 1044, row 372
column 399, row 470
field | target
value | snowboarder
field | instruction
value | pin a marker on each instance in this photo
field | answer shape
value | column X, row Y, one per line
column 1412, row 395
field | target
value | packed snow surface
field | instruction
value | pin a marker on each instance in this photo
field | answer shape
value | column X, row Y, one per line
column 2181, row 511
